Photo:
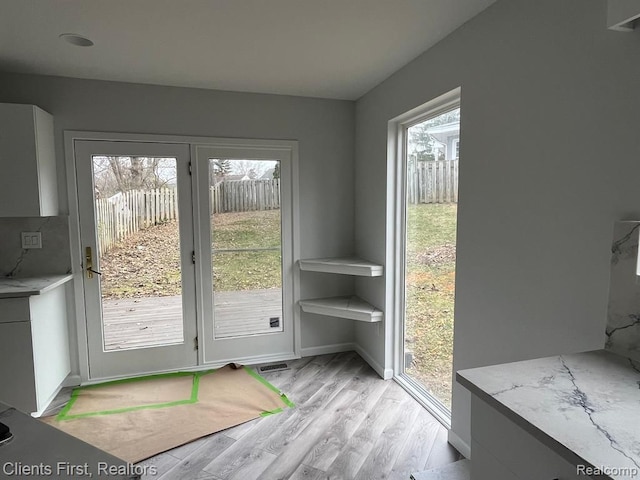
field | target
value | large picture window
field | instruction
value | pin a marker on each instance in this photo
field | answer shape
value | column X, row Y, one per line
column 427, row 164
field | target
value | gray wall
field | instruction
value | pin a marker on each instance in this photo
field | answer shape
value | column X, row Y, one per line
column 53, row 258
column 550, row 149
column 324, row 129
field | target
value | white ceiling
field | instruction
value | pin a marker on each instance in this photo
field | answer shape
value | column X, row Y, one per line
column 317, row 48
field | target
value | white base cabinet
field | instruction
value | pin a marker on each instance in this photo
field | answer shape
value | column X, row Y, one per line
column 502, row 450
column 34, row 349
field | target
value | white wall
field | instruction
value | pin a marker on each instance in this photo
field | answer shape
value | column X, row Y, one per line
column 550, row 157
column 324, row 129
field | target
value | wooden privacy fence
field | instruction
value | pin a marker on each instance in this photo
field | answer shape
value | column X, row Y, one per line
column 432, row 181
column 125, row 213
column 245, row 195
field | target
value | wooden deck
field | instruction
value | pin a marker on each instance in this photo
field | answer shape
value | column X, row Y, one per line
column 153, row 321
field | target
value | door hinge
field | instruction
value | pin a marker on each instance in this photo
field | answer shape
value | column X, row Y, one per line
column 195, row 343
column 190, row 169
column 193, row 257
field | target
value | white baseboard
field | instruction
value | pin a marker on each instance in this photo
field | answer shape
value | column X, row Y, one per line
column 72, row 381
column 348, row 347
column 326, row 349
column 385, row 373
column 46, row 403
column 459, row 444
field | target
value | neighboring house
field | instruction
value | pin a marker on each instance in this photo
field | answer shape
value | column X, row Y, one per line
column 448, row 138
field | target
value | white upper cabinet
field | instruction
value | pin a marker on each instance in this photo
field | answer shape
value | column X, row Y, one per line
column 28, row 180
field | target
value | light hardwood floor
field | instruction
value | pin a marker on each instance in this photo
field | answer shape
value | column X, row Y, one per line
column 347, row 424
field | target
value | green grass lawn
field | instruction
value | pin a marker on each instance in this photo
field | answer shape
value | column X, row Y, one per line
column 430, row 291
column 248, row 270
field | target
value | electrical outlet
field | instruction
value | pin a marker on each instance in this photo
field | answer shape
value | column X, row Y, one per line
column 31, row 239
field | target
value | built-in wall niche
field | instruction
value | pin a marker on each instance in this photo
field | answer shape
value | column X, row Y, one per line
column 348, row 307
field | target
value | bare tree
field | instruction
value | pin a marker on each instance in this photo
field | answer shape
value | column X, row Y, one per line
column 250, row 168
column 113, row 174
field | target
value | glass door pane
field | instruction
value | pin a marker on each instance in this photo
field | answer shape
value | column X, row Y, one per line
column 138, row 240
column 246, row 232
column 136, row 232
column 430, row 252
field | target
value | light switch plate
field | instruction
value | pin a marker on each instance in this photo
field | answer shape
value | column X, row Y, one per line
column 31, row 240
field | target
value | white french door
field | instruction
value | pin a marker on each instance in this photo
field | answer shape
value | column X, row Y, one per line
column 137, row 236
column 245, row 248
column 188, row 254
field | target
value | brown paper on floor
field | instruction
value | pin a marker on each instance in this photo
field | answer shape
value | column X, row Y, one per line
column 226, row 398
column 140, row 393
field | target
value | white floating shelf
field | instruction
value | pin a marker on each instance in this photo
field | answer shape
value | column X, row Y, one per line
column 344, row 266
column 353, row 308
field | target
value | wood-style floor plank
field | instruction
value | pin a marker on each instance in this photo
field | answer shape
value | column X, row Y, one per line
column 239, row 431
column 308, row 412
column 336, row 436
column 257, row 462
column 418, row 446
column 442, row 453
column 354, row 454
column 157, row 466
column 347, row 424
column 189, row 467
column 387, row 448
column 305, row 441
column 305, row 472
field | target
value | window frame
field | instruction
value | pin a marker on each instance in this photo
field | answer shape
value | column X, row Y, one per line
column 396, row 241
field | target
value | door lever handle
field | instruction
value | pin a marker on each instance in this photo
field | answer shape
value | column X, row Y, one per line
column 89, row 263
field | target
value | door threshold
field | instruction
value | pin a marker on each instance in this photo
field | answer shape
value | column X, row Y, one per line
column 426, row 399
column 260, row 359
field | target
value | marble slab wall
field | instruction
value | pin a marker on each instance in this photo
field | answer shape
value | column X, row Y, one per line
column 53, row 258
column 623, row 314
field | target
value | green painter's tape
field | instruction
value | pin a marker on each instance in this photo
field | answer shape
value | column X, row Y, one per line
column 193, row 398
column 64, row 414
column 65, row 410
column 139, row 379
column 124, row 410
column 271, row 412
column 262, row 380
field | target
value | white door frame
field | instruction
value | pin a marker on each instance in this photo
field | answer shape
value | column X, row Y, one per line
column 70, row 136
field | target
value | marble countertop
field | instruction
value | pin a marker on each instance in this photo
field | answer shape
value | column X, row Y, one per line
column 584, row 406
column 11, row 287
